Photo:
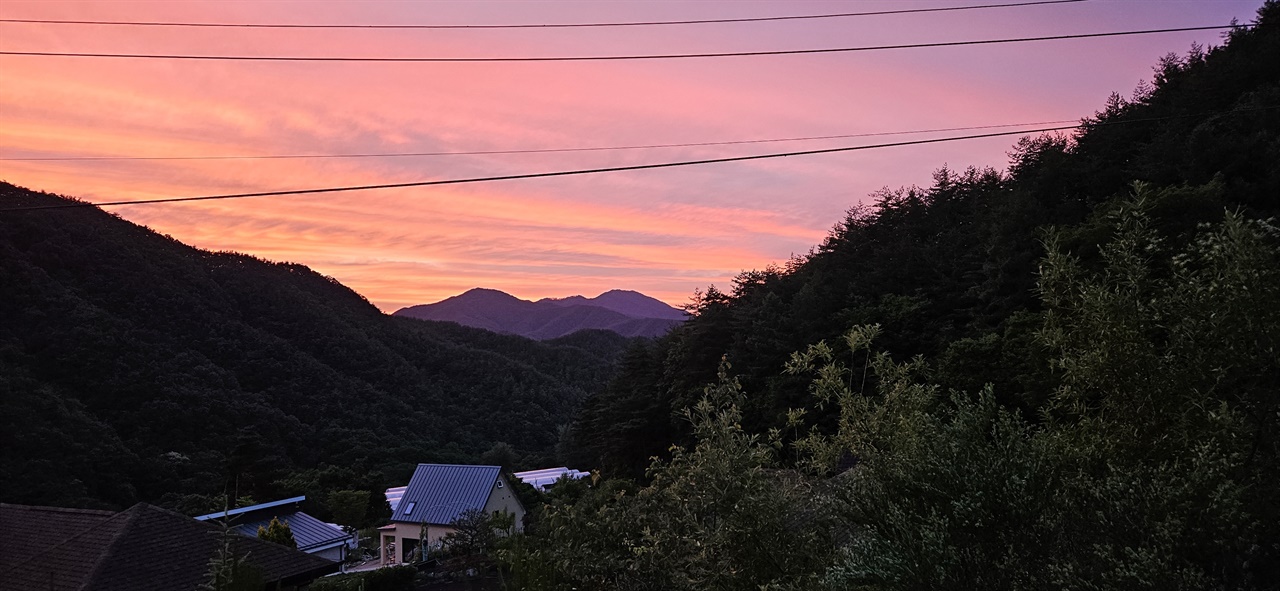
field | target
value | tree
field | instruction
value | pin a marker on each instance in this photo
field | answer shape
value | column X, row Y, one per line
column 227, row 570
column 474, row 533
column 719, row 515
column 1154, row 466
column 278, row 532
column 349, row 507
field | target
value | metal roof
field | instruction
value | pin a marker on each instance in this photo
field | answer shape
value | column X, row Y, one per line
column 439, row 493
column 310, row 533
column 252, row 508
column 541, row 479
column 393, row 496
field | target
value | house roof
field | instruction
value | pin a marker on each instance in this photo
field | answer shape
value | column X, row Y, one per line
column 393, row 496
column 143, row 547
column 278, row 507
column 26, row 529
column 310, row 533
column 541, row 479
column 439, row 493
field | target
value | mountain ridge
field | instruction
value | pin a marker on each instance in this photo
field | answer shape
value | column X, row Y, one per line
column 627, row 313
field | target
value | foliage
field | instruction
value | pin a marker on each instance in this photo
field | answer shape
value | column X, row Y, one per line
column 133, row 367
column 949, row 270
column 229, row 571
column 474, row 533
column 278, row 532
column 392, row 578
column 349, row 507
column 1170, row 371
column 717, row 515
column 1153, row 463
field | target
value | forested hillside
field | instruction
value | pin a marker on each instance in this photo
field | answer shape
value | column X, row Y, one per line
column 1066, row 376
column 949, row 271
column 133, row 367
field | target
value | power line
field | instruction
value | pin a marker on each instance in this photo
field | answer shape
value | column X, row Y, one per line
column 540, row 174
column 537, row 25
column 528, row 151
column 578, row 172
column 296, row 58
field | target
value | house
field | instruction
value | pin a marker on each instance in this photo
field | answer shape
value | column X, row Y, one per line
column 436, row 496
column 541, row 479
column 313, row 536
column 143, row 547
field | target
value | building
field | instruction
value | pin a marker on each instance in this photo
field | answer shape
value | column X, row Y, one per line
column 313, row 536
column 436, row 496
column 143, row 547
column 541, row 479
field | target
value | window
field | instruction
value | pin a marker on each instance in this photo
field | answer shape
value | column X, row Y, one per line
column 408, row 509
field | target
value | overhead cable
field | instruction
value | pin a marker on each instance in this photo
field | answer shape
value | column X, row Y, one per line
column 534, row 175
column 535, row 25
column 527, row 151
column 580, row 58
column 586, row 171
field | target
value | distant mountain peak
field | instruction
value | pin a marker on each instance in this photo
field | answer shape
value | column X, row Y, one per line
column 626, row 312
column 485, row 292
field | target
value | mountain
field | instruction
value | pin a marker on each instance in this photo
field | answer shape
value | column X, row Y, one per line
column 628, row 313
column 136, row 368
column 626, row 302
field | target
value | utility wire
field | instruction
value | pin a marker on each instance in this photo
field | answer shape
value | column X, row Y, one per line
column 568, row 58
column 578, row 172
column 536, row 25
column 536, row 174
column 527, row 151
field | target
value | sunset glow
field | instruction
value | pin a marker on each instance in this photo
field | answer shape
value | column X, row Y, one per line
column 662, row 232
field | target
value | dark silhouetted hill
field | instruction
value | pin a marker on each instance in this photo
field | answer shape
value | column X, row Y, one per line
column 134, row 367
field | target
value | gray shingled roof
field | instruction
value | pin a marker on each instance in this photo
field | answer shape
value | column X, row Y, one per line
column 25, row 529
column 143, row 547
column 439, row 493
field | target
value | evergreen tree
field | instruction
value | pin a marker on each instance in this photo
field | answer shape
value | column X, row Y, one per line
column 278, row 532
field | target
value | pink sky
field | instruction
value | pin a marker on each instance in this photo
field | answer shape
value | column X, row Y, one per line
column 662, row 232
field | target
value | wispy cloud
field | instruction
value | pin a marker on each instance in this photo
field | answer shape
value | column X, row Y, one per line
column 664, row 232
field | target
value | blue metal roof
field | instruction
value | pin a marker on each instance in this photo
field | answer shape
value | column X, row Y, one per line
column 439, row 493
column 310, row 533
column 252, row 508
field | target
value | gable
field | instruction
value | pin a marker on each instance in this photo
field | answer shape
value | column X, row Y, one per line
column 439, row 493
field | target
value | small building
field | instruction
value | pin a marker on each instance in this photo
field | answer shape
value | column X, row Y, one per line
column 313, row 536
column 541, row 479
column 394, row 494
column 143, row 547
column 436, row 496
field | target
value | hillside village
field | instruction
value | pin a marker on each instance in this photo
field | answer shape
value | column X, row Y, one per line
column 1063, row 375
column 454, row 512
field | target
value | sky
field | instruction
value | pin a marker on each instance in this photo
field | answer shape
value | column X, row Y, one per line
column 665, row 232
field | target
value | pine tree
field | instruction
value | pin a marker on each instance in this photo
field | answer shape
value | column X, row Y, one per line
column 278, row 532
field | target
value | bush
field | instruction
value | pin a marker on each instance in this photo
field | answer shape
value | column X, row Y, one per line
column 392, row 578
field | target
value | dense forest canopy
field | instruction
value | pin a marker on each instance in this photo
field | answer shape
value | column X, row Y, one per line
column 949, row 271
column 1061, row 376
column 133, row 367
